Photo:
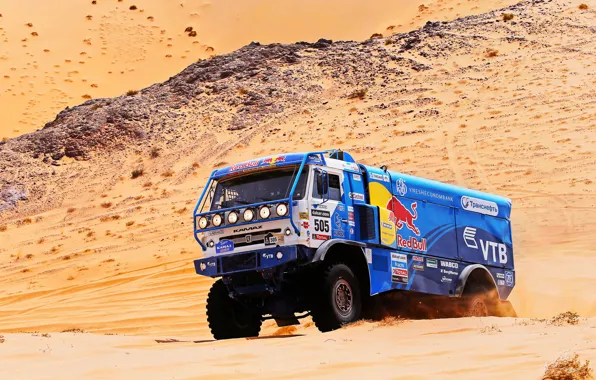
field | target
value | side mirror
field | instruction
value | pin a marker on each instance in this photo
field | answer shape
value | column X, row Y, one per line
column 322, row 183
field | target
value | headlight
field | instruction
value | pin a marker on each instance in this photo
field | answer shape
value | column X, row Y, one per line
column 232, row 217
column 281, row 209
column 210, row 244
column 203, row 222
column 248, row 215
column 264, row 212
column 216, row 220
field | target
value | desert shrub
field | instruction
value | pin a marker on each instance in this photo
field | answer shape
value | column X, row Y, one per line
column 566, row 318
column 167, row 173
column 568, row 367
column 358, row 94
column 106, row 204
column 154, row 152
column 376, row 35
column 583, row 6
column 507, row 16
column 491, row 53
column 70, row 210
column 128, row 224
column 131, row 92
column 132, row 7
column 137, row 173
column 3, row 228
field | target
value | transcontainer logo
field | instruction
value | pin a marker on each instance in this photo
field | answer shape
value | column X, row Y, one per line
column 480, row 206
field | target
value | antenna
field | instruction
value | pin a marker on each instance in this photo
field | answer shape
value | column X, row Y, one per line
column 384, row 168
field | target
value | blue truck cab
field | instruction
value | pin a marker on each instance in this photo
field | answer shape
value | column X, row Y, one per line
column 319, row 234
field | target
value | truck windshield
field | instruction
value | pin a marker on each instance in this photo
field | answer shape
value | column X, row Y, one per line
column 258, row 187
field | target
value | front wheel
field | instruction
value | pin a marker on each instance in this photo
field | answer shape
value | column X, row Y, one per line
column 480, row 301
column 339, row 301
column 227, row 317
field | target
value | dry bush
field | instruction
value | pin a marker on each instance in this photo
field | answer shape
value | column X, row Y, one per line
column 566, row 318
column 70, row 210
column 507, row 16
column 3, row 228
column 490, row 53
column 90, row 233
column 106, row 204
column 29, row 256
column 147, row 184
column 132, row 7
column 46, row 335
column 192, row 34
column 388, row 41
column 137, row 173
column 376, row 35
column 583, row 6
column 154, row 152
column 131, row 92
column 1, row 338
column 286, row 330
column 489, row 329
column 181, row 211
column 128, row 224
column 66, row 257
column 73, row 330
column 167, row 173
column 70, row 278
column 108, row 218
column 358, row 94
column 108, row 261
column 195, row 165
column 568, row 367
column 25, row 270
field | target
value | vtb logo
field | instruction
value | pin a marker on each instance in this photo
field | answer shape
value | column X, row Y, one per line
column 499, row 249
column 400, row 215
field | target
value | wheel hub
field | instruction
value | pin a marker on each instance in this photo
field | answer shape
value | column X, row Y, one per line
column 343, row 297
column 478, row 308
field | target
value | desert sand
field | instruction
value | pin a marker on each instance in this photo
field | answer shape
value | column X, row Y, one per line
column 501, row 107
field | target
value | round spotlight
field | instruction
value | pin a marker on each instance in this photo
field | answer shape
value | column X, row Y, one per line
column 203, row 222
column 210, row 244
column 232, row 217
column 279, row 255
column 264, row 212
column 288, row 232
column 248, row 215
column 217, row 219
column 281, row 209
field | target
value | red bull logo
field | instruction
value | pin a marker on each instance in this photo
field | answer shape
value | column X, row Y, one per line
column 274, row 160
column 401, row 215
column 411, row 243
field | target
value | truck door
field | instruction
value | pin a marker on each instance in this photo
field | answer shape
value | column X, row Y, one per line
column 328, row 214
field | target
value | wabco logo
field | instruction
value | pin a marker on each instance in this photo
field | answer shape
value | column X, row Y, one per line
column 449, row 264
column 252, row 228
column 469, row 236
column 480, row 206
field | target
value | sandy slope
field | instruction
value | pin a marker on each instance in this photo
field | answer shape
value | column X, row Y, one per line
column 521, row 124
column 488, row 348
column 107, row 49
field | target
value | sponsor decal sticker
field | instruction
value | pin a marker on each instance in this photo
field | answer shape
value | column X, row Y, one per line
column 351, row 166
column 320, row 237
column 274, row 160
column 368, row 254
column 501, row 275
column 304, row 215
column 400, row 215
column 320, row 213
column 271, row 239
column 418, row 258
column 497, row 249
column 357, row 196
column 350, row 215
column 224, row 246
column 449, row 272
column 389, row 226
column 411, row 243
column 244, row 165
column 418, row 266
column 501, row 282
column 446, row 279
column 431, row 194
column 480, row 206
column 379, row 177
column 357, row 177
column 305, row 224
column 268, row 256
column 401, row 187
column 399, row 268
column 214, row 233
column 449, row 264
column 431, row 263
column 351, row 230
column 509, row 278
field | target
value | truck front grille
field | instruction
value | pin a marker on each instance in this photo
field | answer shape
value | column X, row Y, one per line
column 245, row 240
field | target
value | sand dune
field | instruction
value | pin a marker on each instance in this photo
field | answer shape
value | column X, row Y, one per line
column 502, row 107
column 106, row 49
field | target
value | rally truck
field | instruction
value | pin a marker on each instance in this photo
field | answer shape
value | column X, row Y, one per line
column 319, row 234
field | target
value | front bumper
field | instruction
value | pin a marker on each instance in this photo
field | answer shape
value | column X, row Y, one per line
column 265, row 258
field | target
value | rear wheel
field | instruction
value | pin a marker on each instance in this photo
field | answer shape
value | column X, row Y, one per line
column 227, row 317
column 339, row 300
column 480, row 301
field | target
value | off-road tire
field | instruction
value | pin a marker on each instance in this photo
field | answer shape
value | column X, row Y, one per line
column 227, row 317
column 338, row 301
column 479, row 301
